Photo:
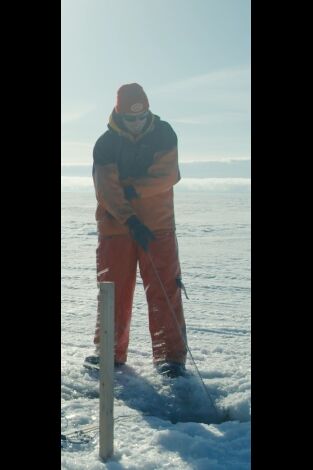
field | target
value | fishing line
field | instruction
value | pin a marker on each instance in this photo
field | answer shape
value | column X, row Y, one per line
column 184, row 340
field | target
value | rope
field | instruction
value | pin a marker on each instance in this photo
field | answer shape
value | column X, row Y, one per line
column 184, row 340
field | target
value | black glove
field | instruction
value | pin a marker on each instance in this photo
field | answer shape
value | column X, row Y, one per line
column 140, row 232
column 130, row 193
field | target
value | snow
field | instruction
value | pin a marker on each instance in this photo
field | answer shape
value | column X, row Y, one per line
column 163, row 423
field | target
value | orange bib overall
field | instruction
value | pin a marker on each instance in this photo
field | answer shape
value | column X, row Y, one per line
column 117, row 260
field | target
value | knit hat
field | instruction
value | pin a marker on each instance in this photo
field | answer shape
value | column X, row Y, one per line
column 131, row 99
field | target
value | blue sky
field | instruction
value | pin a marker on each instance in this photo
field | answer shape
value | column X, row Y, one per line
column 192, row 58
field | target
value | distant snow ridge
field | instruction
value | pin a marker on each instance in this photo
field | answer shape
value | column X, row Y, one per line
column 214, row 184
column 83, row 183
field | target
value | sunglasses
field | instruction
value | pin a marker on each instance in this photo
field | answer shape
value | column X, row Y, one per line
column 130, row 118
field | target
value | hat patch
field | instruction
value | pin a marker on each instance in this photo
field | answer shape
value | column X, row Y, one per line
column 135, row 108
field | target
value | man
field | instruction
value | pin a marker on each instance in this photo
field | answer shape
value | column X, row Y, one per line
column 135, row 165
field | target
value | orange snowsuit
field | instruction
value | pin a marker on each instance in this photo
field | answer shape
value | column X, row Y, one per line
column 149, row 163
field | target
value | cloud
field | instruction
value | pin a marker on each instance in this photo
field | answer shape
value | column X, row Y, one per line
column 220, row 97
column 233, row 77
column 213, row 118
column 71, row 115
column 75, row 153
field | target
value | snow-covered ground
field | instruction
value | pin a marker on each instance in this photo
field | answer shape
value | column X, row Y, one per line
column 163, row 423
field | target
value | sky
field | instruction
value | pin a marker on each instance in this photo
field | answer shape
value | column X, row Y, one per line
column 191, row 57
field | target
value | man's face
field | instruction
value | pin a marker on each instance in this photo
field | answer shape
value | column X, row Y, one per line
column 134, row 123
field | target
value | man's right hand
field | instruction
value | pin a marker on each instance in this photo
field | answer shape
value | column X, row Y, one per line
column 130, row 193
column 140, row 232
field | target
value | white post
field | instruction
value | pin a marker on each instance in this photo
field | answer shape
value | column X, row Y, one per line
column 106, row 369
